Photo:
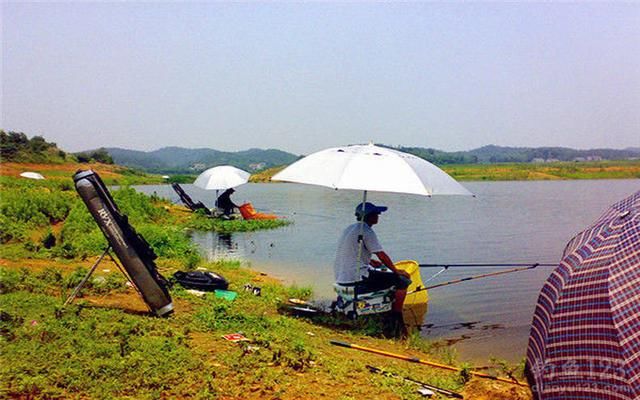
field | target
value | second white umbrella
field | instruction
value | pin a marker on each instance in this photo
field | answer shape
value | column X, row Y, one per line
column 221, row 178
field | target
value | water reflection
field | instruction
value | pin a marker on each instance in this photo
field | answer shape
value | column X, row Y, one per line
column 225, row 242
column 218, row 246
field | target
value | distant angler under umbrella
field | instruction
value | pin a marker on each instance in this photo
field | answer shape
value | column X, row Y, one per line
column 221, row 178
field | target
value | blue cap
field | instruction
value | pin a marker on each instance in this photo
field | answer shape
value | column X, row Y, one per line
column 369, row 208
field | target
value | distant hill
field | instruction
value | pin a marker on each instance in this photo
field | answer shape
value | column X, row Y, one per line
column 498, row 154
column 178, row 160
column 172, row 160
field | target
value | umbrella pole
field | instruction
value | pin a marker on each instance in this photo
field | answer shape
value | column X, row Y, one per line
column 361, row 234
column 360, row 240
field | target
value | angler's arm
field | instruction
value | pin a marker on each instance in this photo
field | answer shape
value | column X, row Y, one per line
column 386, row 260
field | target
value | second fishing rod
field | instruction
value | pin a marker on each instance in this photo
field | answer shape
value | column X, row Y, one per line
column 445, row 267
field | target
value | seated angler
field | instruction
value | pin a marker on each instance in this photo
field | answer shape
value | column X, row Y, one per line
column 224, row 202
column 365, row 273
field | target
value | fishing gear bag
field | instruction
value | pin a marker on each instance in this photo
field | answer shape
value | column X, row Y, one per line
column 201, row 280
column 133, row 251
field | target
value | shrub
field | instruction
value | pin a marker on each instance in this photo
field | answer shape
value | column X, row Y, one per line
column 22, row 279
column 36, row 206
column 170, row 242
column 137, row 206
column 11, row 230
column 82, row 237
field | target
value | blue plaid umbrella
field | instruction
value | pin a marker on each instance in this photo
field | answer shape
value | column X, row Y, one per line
column 585, row 335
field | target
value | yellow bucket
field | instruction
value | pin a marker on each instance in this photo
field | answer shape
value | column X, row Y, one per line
column 415, row 304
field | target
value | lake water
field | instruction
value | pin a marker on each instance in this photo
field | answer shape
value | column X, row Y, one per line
column 507, row 222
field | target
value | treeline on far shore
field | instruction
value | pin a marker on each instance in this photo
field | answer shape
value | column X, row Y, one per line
column 16, row 147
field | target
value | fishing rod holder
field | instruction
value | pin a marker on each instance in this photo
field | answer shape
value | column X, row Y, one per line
column 78, row 288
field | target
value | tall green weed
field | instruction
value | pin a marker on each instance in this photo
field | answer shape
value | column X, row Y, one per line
column 26, row 208
column 204, row 223
column 138, row 206
column 81, row 236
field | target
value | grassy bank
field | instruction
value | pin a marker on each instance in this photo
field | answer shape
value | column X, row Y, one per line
column 265, row 176
column 546, row 171
column 524, row 172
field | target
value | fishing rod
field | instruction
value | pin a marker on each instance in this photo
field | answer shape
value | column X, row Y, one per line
column 494, row 265
column 469, row 278
column 436, row 389
column 424, row 362
column 293, row 213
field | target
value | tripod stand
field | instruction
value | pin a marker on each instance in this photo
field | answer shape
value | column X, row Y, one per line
column 84, row 280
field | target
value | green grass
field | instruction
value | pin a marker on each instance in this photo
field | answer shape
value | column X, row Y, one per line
column 25, row 206
column 79, row 352
column 204, row 223
column 181, row 178
column 544, row 171
column 27, row 212
column 81, row 237
column 28, row 222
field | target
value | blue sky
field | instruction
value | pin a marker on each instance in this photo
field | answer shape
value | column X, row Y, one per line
column 306, row 76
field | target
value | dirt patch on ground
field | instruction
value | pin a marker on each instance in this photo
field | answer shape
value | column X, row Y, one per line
column 478, row 389
column 538, row 176
column 37, row 265
column 128, row 301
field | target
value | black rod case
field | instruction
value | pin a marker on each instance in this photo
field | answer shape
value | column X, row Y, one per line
column 131, row 249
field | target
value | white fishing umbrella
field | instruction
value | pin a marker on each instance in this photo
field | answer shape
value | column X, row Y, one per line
column 221, row 178
column 371, row 168
column 31, row 175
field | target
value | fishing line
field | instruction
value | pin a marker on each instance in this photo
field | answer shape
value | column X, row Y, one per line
column 436, row 274
column 487, row 265
column 294, row 213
